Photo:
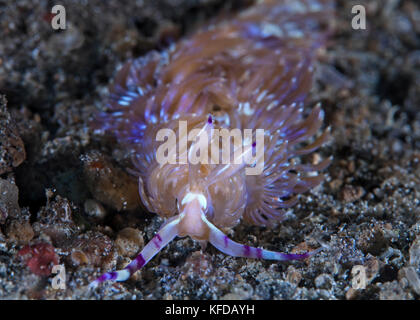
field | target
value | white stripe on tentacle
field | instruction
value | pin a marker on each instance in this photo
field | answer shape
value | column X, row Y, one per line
column 165, row 235
column 222, row 242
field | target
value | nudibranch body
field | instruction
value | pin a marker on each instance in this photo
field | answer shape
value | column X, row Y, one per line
column 251, row 72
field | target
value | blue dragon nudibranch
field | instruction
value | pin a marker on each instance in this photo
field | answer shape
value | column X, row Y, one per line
column 252, row 71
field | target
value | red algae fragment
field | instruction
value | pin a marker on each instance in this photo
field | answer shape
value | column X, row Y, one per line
column 40, row 258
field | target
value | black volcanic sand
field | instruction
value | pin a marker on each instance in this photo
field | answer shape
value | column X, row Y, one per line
column 65, row 187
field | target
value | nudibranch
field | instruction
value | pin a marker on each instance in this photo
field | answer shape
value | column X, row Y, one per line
column 252, row 71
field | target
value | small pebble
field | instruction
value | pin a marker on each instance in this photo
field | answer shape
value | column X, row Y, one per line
column 94, row 209
column 324, row 281
column 129, row 242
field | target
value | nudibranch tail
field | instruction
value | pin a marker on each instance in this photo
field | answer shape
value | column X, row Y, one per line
column 223, row 243
column 165, row 235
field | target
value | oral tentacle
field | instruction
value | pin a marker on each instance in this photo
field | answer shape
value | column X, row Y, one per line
column 165, row 235
column 201, row 143
column 226, row 245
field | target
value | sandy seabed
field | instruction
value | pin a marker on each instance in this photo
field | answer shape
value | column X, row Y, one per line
column 67, row 189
